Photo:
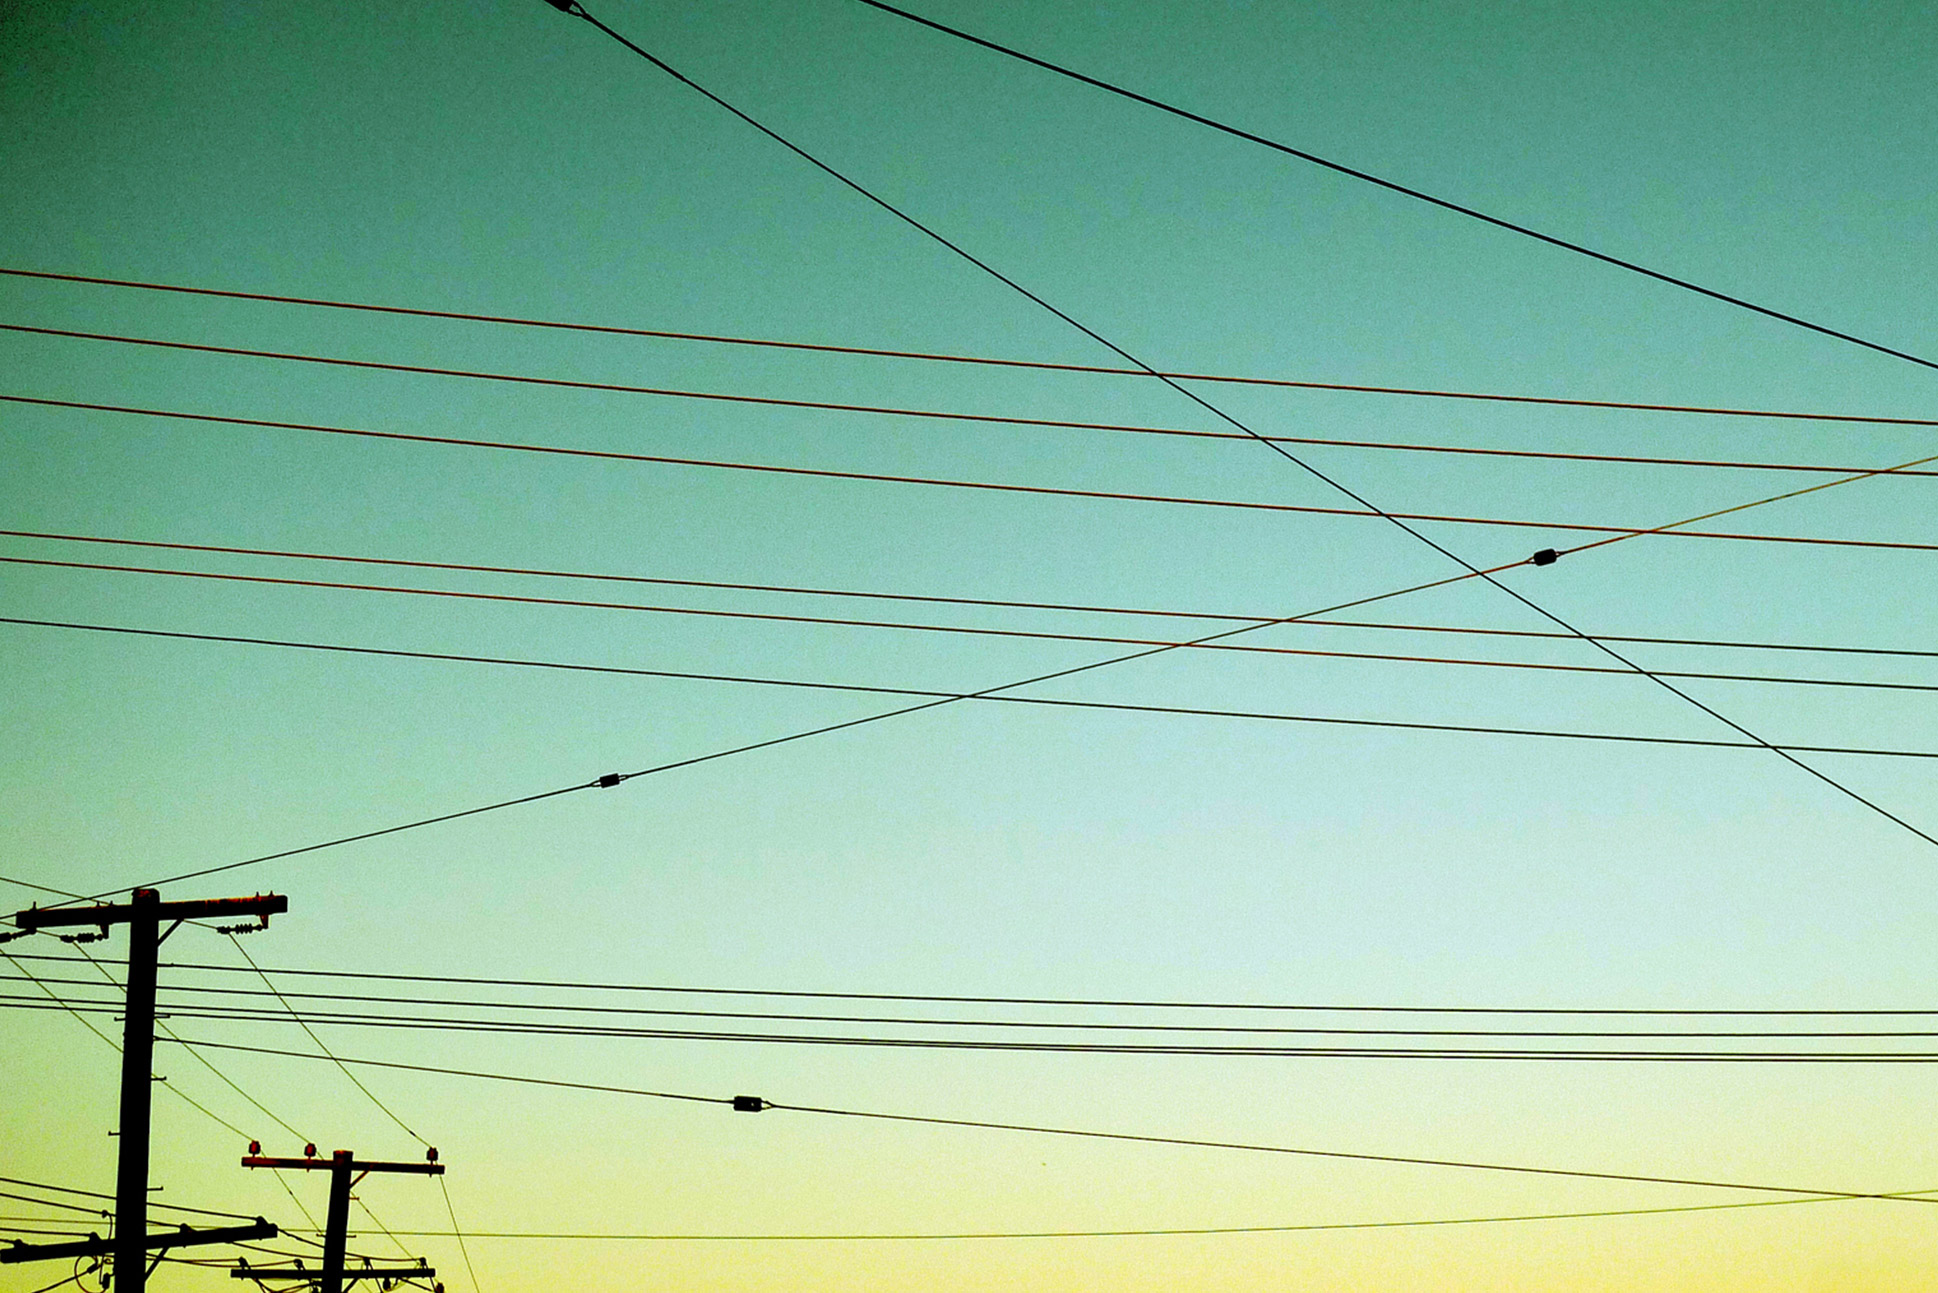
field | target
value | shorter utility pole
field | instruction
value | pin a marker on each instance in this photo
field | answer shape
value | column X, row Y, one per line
column 345, row 1170
column 143, row 916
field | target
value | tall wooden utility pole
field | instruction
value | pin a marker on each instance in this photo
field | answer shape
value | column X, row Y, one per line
column 143, row 916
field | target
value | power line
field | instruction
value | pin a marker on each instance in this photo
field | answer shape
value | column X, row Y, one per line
column 1393, row 186
column 813, row 620
column 610, row 780
column 733, row 1102
column 1487, row 1047
column 986, row 361
column 936, row 599
column 1153, row 1232
column 1341, row 1050
column 574, row 8
column 509, row 1008
column 1007, row 487
column 1099, row 1003
column 945, row 697
column 1636, row 460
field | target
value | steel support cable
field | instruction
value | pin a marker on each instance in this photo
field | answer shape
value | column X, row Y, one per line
column 503, row 1008
column 935, row 599
column 813, row 620
column 1055, row 491
column 1124, row 1137
column 979, row 360
column 576, row 9
column 1393, row 186
column 994, row 695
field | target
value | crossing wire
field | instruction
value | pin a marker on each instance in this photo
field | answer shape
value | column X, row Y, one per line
column 987, row 361
column 1368, row 177
column 576, row 9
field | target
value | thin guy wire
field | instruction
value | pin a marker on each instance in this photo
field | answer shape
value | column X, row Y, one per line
column 1125, row 1137
column 981, row 360
column 1392, row 186
column 580, row 11
column 992, row 696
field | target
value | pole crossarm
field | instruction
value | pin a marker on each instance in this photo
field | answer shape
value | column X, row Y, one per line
column 263, row 905
column 95, row 1246
column 246, row 1272
column 329, row 1164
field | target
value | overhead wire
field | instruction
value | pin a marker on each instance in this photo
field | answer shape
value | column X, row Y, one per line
column 938, row 599
column 1559, row 1047
column 613, row 779
column 574, row 8
column 1075, row 1002
column 1149, row 1232
column 788, row 618
column 1391, row 186
column 730, row 1102
column 993, row 696
column 980, row 360
column 502, row 1008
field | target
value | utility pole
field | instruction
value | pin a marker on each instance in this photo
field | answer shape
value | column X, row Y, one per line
column 143, row 916
column 345, row 1170
column 95, row 1246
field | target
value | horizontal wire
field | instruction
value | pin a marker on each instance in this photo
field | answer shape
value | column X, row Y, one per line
column 992, row 602
column 835, row 621
column 1152, row 1232
column 1228, row 1050
column 984, row 361
column 96, row 1194
column 172, row 993
column 1086, row 1134
column 938, row 482
column 945, row 697
column 939, row 998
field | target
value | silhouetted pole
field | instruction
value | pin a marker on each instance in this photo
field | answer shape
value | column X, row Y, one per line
column 345, row 1169
column 143, row 916
column 137, row 1090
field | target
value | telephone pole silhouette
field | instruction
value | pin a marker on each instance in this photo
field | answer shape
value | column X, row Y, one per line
column 345, row 1170
column 143, row 915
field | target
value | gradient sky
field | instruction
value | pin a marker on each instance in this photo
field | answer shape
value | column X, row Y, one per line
column 498, row 157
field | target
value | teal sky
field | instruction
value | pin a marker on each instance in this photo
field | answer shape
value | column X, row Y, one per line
column 499, row 158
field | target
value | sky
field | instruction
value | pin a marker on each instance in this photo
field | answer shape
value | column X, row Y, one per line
column 501, row 158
